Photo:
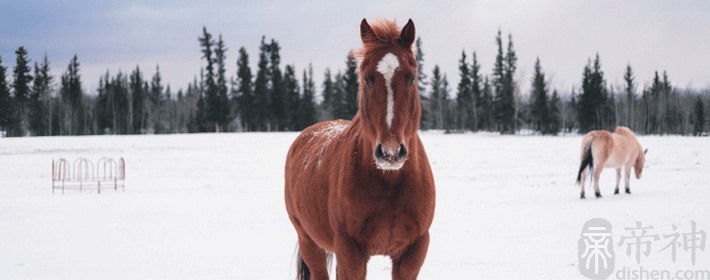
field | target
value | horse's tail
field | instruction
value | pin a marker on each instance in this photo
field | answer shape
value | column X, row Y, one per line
column 303, row 272
column 587, row 160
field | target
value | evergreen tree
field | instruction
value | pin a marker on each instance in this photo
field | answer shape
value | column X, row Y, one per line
column 219, row 105
column 476, row 93
column 138, row 96
column 498, row 80
column 571, row 114
column 425, row 121
column 122, row 106
column 672, row 118
column 7, row 112
column 245, row 91
column 279, row 110
column 157, row 103
column 39, row 99
column 210, row 105
column 464, row 99
column 699, row 125
column 593, row 109
column 350, row 88
column 21, row 87
column 291, row 88
column 539, row 109
column 104, row 106
column 193, row 105
column 611, row 111
column 339, row 103
column 330, row 98
column 651, row 105
column 72, row 96
column 307, row 106
column 437, row 96
column 447, row 113
column 169, row 115
column 487, row 114
column 504, row 86
column 554, row 124
column 660, row 113
column 508, row 110
column 588, row 104
column 261, row 90
column 630, row 96
column 207, row 44
column 202, row 124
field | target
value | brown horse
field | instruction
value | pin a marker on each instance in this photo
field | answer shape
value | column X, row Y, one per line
column 364, row 187
column 611, row 150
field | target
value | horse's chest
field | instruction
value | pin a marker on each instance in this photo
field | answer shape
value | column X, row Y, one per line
column 387, row 232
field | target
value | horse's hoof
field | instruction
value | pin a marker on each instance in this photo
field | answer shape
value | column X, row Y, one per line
column 616, row 191
column 581, row 196
column 628, row 191
column 598, row 194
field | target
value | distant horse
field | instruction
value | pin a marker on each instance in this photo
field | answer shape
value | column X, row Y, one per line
column 602, row 149
column 364, row 187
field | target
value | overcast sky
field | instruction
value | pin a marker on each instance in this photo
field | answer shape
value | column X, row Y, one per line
column 118, row 35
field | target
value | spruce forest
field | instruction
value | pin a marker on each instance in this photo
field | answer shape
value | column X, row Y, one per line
column 278, row 97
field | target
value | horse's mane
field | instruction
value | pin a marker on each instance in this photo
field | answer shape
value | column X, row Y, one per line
column 386, row 33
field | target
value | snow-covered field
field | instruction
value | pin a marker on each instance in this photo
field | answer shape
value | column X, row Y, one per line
column 210, row 206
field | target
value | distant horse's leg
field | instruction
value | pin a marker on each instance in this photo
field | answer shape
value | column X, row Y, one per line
column 351, row 259
column 314, row 257
column 597, row 173
column 618, row 179
column 628, row 175
column 581, row 183
column 407, row 264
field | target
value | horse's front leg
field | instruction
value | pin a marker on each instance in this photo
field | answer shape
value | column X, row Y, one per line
column 626, row 179
column 351, row 258
column 314, row 257
column 406, row 265
column 618, row 179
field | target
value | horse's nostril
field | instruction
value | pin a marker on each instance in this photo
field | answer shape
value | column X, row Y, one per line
column 402, row 151
column 378, row 152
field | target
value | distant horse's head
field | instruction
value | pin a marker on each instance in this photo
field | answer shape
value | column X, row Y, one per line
column 388, row 97
column 638, row 164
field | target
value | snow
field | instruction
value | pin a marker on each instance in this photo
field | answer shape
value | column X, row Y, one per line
column 330, row 131
column 210, row 206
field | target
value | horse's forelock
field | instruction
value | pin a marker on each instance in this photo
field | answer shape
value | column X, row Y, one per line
column 385, row 34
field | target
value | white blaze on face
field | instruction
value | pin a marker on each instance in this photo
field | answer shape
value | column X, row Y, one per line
column 387, row 66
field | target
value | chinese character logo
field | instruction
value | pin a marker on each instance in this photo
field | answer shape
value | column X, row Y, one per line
column 638, row 241
column 692, row 241
column 596, row 249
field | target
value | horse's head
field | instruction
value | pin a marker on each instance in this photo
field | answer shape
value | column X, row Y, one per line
column 638, row 164
column 388, row 97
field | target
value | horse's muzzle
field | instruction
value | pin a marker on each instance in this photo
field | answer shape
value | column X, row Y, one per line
column 390, row 158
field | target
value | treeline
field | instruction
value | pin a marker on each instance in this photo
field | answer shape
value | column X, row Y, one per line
column 495, row 102
column 275, row 98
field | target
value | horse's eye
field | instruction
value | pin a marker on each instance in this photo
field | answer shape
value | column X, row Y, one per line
column 369, row 80
column 410, row 79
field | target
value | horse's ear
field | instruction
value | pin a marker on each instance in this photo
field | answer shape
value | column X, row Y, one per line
column 365, row 30
column 645, row 151
column 406, row 37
